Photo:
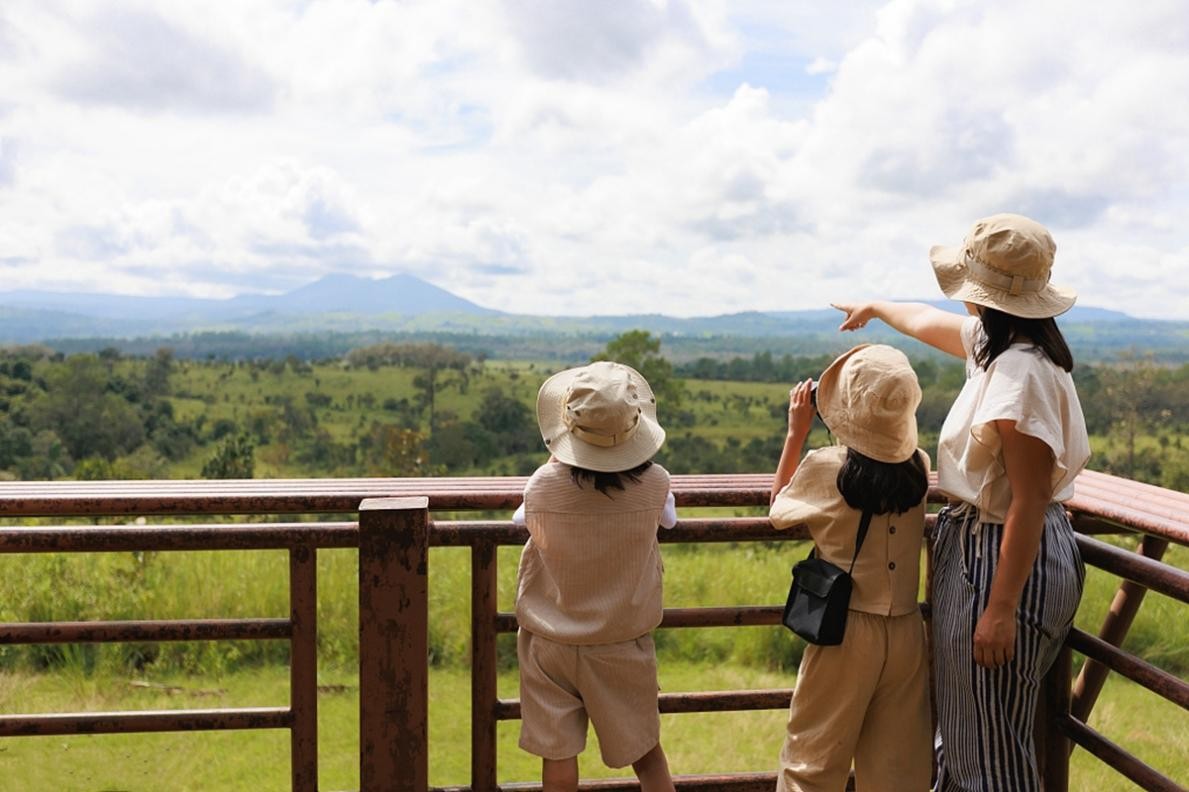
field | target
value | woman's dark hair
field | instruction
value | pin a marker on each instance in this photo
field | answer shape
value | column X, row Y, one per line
column 607, row 481
column 867, row 484
column 1003, row 330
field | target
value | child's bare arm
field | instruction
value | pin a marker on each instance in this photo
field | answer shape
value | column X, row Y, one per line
column 801, row 411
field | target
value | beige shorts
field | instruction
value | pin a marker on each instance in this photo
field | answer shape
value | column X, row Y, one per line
column 561, row 685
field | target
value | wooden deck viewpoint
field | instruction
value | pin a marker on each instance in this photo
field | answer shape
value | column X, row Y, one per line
column 393, row 531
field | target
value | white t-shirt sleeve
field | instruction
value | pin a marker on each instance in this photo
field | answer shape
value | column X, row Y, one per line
column 1022, row 388
column 669, row 512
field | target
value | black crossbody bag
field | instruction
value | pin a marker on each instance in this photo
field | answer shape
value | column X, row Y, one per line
column 820, row 595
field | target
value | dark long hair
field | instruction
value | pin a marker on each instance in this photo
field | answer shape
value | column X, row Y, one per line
column 1003, row 330
column 607, row 481
column 867, row 484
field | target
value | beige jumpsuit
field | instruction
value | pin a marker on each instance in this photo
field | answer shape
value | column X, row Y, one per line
column 867, row 699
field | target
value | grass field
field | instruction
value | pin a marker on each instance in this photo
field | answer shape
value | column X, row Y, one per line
column 711, row 742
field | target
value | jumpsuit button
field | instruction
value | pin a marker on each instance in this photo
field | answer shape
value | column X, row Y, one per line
column 892, row 565
column 892, row 529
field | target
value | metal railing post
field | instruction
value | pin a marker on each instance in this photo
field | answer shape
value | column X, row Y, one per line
column 484, row 695
column 393, row 644
column 303, row 668
column 1052, row 745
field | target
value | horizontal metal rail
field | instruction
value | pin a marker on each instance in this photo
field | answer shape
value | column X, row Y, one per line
column 737, row 616
column 150, row 721
column 736, row 782
column 1154, row 679
column 215, row 536
column 702, row 701
column 1147, row 572
column 1148, row 777
column 146, row 631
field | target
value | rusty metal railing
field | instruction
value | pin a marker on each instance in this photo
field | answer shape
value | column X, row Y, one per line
column 393, row 535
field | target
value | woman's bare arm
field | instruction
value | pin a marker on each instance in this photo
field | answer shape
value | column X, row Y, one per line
column 933, row 326
column 1029, row 464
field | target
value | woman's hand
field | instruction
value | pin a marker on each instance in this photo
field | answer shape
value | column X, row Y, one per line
column 857, row 314
column 801, row 409
column 995, row 637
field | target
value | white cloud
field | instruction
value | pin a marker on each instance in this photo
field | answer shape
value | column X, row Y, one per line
column 566, row 157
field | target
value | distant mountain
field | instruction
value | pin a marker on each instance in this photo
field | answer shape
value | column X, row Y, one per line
column 409, row 306
column 39, row 315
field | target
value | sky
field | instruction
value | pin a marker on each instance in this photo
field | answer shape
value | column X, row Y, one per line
column 568, row 157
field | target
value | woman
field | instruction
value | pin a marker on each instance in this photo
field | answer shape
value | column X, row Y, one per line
column 1008, row 576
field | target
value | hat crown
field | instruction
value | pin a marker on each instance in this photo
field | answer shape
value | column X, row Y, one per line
column 1013, row 245
column 603, row 400
column 868, row 399
column 878, row 388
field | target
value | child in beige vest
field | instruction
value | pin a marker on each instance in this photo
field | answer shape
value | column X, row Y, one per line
column 589, row 586
column 865, row 700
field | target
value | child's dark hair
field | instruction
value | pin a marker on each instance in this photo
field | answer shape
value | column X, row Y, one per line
column 1003, row 330
column 607, row 481
column 882, row 487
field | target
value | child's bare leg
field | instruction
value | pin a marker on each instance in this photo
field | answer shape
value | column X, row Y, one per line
column 559, row 775
column 653, row 771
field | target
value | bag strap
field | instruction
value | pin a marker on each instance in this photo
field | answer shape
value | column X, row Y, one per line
column 864, row 524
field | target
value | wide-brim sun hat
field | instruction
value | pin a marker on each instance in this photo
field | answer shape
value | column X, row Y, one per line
column 1005, row 263
column 601, row 416
column 868, row 399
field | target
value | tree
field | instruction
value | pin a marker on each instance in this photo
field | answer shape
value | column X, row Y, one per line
column 389, row 450
column 638, row 349
column 79, row 407
column 235, row 458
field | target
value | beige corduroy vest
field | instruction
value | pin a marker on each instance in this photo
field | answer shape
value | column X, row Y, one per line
column 591, row 571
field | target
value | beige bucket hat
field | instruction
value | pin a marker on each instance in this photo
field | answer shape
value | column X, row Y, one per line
column 601, row 416
column 868, row 399
column 1005, row 264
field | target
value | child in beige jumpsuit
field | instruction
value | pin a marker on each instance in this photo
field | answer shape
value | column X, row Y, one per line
column 865, row 700
column 589, row 589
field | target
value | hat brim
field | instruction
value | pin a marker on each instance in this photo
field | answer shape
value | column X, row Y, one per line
column 956, row 283
column 870, row 441
column 640, row 447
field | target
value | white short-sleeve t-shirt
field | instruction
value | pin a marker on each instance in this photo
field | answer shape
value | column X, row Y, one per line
column 1020, row 385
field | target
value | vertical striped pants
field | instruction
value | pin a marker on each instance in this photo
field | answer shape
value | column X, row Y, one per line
column 985, row 715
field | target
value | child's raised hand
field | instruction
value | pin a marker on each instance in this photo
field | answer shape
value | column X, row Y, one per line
column 857, row 314
column 801, row 408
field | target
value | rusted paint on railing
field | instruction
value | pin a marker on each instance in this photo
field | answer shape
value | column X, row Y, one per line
column 140, row 631
column 393, row 645
column 152, row 721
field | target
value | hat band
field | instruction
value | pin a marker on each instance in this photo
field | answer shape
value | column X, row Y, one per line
column 604, row 440
column 1013, row 284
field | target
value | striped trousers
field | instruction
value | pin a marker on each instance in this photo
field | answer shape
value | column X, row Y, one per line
column 985, row 715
